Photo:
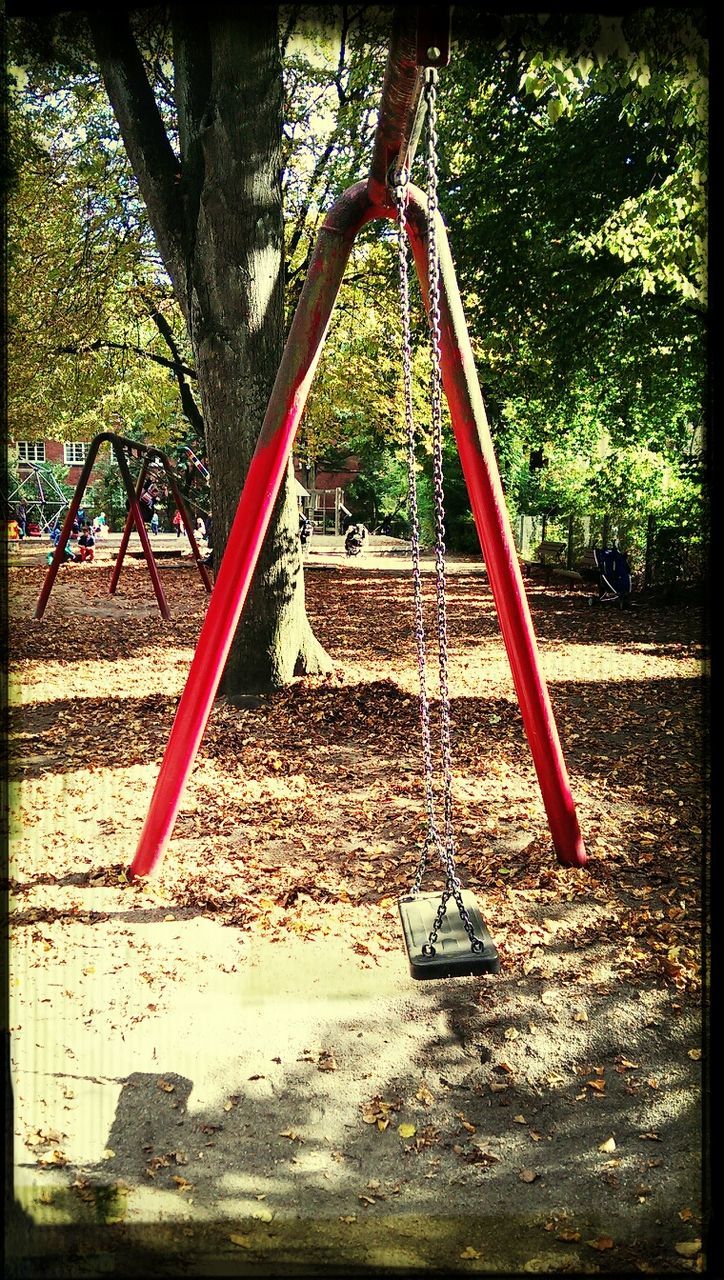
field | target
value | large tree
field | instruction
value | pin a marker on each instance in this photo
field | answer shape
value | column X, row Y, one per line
column 199, row 109
column 215, row 205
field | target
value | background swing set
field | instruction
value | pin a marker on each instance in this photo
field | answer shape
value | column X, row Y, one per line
column 149, row 456
column 419, row 40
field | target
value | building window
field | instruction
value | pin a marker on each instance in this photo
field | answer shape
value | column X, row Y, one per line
column 31, row 450
column 74, row 452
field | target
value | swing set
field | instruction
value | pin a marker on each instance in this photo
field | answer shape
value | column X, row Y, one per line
column 439, row 942
column 150, row 458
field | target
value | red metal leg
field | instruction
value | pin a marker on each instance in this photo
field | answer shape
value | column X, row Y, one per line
column 66, row 531
column 135, row 513
column 127, row 531
column 480, row 468
column 253, row 514
column 203, row 571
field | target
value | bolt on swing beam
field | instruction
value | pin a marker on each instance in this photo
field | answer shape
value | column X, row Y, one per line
column 359, row 204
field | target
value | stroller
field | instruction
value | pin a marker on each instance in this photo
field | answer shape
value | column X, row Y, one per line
column 354, row 540
column 614, row 578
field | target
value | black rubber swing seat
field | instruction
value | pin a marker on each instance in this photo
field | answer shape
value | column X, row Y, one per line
column 453, row 956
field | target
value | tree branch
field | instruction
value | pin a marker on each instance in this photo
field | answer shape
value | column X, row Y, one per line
column 192, row 87
column 188, row 400
column 80, row 348
column 150, row 153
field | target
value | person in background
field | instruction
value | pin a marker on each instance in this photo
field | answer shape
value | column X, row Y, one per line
column 200, row 530
column 176, row 522
column 69, row 555
column 305, row 528
column 87, row 543
column 154, row 522
column 22, row 519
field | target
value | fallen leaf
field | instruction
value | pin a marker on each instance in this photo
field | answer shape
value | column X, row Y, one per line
column 694, row 1054
column 686, row 1214
column 242, row 1241
column 528, row 1175
column 406, row 1130
column 580, row 1016
column 423, row 1095
column 519, row 1120
column 603, row 1242
column 608, row 1146
column 598, row 1085
column 568, row 1234
column 688, row 1248
column 469, row 1252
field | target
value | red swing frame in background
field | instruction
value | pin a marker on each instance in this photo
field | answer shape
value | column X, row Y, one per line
column 414, row 44
column 120, row 445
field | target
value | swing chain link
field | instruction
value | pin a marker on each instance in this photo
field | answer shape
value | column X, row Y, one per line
column 447, row 848
column 444, row 846
column 431, row 840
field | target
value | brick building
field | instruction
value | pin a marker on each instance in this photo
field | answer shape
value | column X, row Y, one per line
column 68, row 453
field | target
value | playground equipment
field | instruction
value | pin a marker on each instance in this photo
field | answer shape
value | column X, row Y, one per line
column 39, row 490
column 148, row 456
column 415, row 45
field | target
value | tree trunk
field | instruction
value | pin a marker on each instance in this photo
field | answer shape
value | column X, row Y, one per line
column 236, row 317
column 218, row 221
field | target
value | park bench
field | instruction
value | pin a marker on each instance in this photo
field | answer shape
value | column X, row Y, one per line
column 586, row 565
column 550, row 564
column 549, row 556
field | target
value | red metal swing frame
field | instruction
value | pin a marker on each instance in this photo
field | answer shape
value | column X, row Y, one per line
column 414, row 45
column 120, row 446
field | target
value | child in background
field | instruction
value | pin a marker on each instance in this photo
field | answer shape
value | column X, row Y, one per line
column 87, row 543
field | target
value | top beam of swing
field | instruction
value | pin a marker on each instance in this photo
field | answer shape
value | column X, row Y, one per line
column 393, row 148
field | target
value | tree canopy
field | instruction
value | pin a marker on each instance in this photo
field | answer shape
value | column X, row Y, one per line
column 574, row 184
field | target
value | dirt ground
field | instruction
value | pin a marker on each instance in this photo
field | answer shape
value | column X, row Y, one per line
column 228, row 1070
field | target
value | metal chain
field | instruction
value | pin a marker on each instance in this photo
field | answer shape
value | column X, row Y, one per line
column 432, row 840
column 452, row 883
column 445, row 846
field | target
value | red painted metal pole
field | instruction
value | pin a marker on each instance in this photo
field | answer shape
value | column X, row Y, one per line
column 66, row 531
column 480, row 468
column 135, row 512
column 127, row 530
column 203, row 571
column 261, row 487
